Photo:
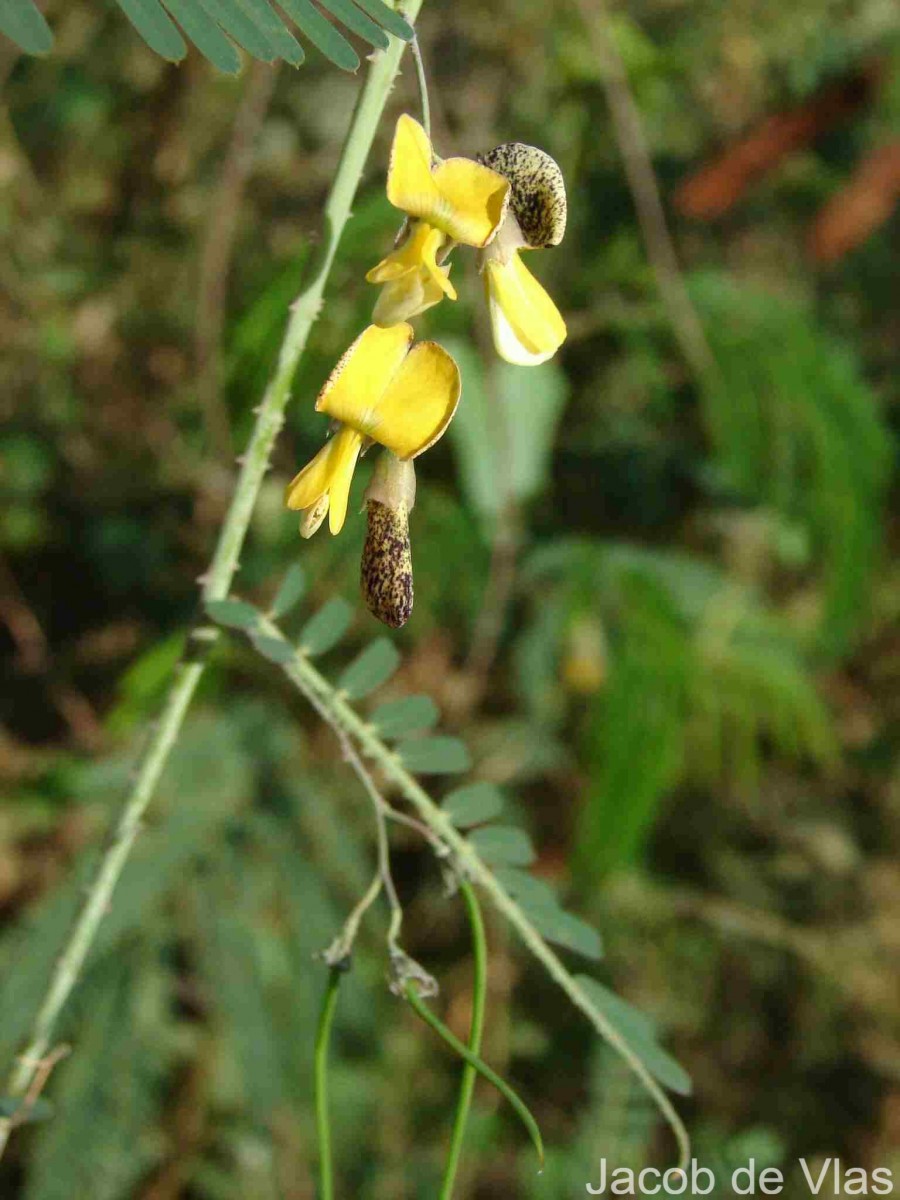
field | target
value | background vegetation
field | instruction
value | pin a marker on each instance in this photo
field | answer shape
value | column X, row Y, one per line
column 659, row 607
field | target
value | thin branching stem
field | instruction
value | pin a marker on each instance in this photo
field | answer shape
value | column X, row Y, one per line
column 383, row 877
column 218, row 579
column 323, row 1116
column 469, row 864
column 422, row 81
column 476, row 1028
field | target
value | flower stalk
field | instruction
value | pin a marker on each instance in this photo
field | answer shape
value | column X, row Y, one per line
column 217, row 580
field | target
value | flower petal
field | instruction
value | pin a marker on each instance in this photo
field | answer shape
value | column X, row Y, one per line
column 419, row 402
column 410, row 185
column 460, row 197
column 414, row 280
column 472, row 201
column 526, row 324
column 404, row 298
column 345, row 455
column 355, row 386
column 328, row 475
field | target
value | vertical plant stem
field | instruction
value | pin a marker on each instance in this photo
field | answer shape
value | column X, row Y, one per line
column 476, row 1028
column 217, row 581
column 323, row 1117
column 629, row 131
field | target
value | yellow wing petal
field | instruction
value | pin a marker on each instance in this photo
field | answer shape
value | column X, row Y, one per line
column 410, row 185
column 345, row 455
column 472, row 201
column 327, row 475
column 356, row 384
column 527, row 325
column 419, row 403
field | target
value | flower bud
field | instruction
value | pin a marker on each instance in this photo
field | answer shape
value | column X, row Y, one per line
column 386, row 576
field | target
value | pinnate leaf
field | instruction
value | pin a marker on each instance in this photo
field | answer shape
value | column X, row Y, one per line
column 370, row 669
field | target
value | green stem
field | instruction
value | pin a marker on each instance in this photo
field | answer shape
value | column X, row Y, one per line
column 479, row 996
column 218, row 579
column 477, row 1065
column 323, row 1119
column 343, row 716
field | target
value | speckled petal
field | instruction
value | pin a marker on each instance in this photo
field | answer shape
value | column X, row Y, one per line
column 538, row 191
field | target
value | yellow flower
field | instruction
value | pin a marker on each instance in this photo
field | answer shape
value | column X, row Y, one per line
column 383, row 390
column 526, row 324
column 456, row 200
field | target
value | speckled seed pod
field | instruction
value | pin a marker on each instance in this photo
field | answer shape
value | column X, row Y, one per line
column 386, row 575
column 537, row 191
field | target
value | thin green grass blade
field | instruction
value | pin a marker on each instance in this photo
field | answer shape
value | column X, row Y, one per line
column 480, row 1066
column 357, row 22
column 322, row 33
column 24, row 23
column 206, row 35
column 387, row 18
column 155, row 27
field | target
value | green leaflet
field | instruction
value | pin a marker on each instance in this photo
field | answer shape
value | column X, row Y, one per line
column 411, row 714
column 473, row 804
column 639, row 1032
column 435, row 755
column 290, row 592
column 253, row 24
column 370, row 669
column 24, row 24
column 206, row 35
column 325, row 628
column 503, row 845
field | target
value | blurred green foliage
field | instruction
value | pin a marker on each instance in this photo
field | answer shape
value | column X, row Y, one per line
column 663, row 614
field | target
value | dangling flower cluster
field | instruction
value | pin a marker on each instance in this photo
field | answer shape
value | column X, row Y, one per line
column 403, row 396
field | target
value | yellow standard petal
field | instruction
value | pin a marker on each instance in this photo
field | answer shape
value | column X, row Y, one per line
column 472, row 201
column 355, row 386
column 526, row 324
column 463, row 199
column 410, row 185
column 419, row 402
column 328, row 476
